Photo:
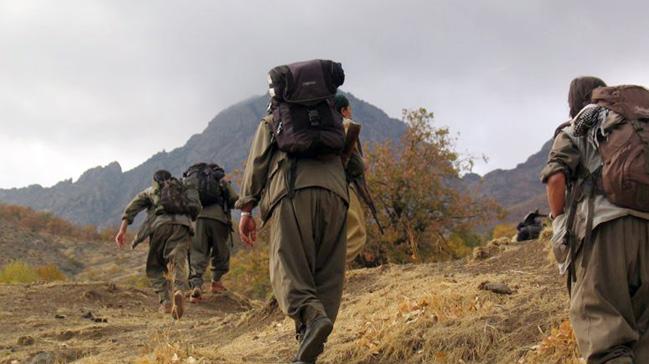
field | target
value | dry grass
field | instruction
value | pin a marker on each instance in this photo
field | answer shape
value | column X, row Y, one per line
column 428, row 313
column 557, row 348
column 504, row 231
column 50, row 273
column 138, row 281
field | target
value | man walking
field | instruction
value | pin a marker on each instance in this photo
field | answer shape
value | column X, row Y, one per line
column 601, row 236
column 171, row 206
column 355, row 171
column 213, row 239
column 302, row 195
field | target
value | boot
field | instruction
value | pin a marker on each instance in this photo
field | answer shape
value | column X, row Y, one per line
column 178, row 308
column 165, row 308
column 196, row 296
column 315, row 336
column 217, row 287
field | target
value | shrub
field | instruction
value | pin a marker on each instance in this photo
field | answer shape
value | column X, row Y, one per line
column 21, row 272
column 248, row 273
column 50, row 273
column 426, row 215
column 18, row 272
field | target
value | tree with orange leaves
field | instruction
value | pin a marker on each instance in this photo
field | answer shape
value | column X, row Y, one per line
column 417, row 188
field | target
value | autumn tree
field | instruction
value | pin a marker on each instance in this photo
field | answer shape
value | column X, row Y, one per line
column 418, row 192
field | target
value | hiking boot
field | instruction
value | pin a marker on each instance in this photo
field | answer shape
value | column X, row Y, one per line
column 178, row 307
column 217, row 287
column 165, row 308
column 196, row 296
column 315, row 336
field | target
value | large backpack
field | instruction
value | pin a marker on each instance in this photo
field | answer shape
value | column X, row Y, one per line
column 625, row 148
column 207, row 179
column 173, row 198
column 305, row 121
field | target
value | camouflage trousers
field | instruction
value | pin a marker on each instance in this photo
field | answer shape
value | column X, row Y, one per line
column 609, row 305
column 168, row 249
column 211, row 244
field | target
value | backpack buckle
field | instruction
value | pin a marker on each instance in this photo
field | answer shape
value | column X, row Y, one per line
column 314, row 117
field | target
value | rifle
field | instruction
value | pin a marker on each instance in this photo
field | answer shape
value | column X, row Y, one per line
column 351, row 140
column 352, row 145
column 364, row 194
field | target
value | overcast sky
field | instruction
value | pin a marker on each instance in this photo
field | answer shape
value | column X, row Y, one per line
column 84, row 83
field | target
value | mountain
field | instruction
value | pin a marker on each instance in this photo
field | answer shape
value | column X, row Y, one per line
column 100, row 194
column 519, row 189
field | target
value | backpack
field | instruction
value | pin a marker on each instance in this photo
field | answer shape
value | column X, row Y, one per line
column 207, row 179
column 173, row 198
column 305, row 122
column 625, row 148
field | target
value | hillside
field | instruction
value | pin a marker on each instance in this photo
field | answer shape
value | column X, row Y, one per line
column 519, row 189
column 40, row 239
column 100, row 194
column 429, row 313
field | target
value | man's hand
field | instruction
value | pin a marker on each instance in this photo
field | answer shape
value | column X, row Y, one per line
column 248, row 230
column 121, row 234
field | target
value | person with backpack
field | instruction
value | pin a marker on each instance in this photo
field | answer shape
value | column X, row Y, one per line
column 531, row 226
column 295, row 175
column 213, row 239
column 597, row 178
column 171, row 207
column 355, row 172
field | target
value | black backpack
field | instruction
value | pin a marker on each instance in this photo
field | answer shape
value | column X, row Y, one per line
column 305, row 121
column 207, row 179
column 173, row 198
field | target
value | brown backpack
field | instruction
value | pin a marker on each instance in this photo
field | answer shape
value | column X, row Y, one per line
column 625, row 150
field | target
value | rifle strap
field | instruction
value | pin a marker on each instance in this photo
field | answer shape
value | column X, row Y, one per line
column 588, row 189
column 572, row 205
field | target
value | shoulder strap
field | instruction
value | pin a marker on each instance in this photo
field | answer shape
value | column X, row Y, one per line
column 561, row 127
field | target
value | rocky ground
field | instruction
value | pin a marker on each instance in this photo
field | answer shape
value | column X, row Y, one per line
column 393, row 314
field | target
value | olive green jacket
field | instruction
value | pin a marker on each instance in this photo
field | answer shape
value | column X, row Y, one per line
column 265, row 179
column 577, row 156
column 149, row 200
column 216, row 211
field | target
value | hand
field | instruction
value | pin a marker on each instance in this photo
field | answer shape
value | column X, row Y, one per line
column 248, row 230
column 119, row 238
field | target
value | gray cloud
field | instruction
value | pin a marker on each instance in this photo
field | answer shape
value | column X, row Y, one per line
column 83, row 82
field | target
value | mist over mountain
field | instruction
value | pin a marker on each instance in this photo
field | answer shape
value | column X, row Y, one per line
column 101, row 193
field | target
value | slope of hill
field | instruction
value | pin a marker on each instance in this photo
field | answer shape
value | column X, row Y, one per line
column 428, row 313
column 41, row 239
column 101, row 193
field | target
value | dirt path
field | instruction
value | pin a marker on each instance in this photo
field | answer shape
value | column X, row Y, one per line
column 98, row 321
